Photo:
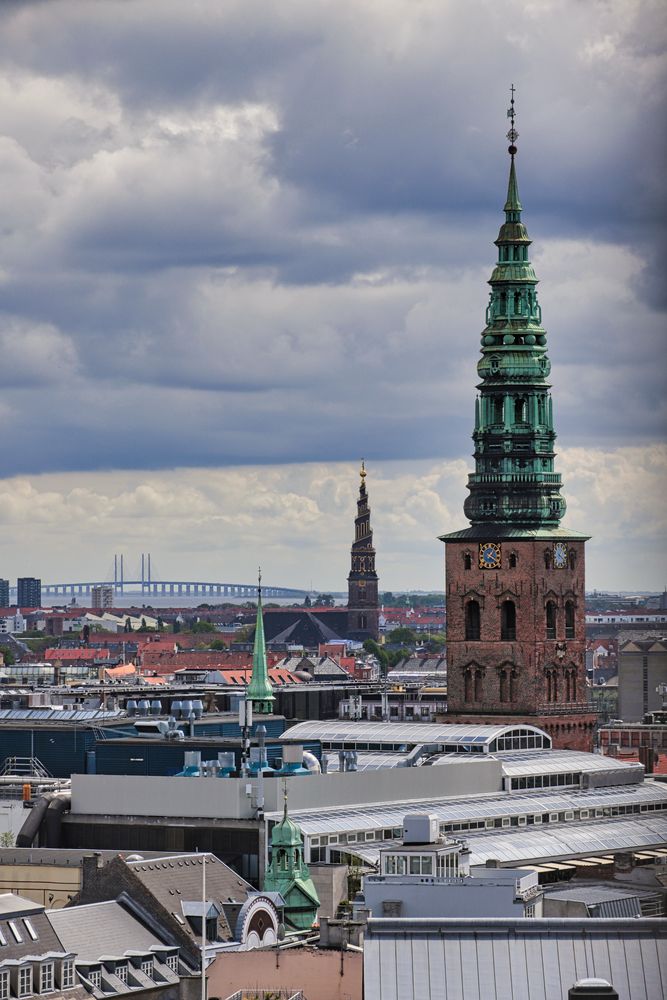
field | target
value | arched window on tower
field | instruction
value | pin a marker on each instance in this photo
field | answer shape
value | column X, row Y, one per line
column 572, row 558
column 363, row 623
column 513, row 560
column 467, row 560
column 508, row 621
column 512, row 684
column 552, row 686
column 467, row 686
column 498, row 415
column 547, row 558
column 504, row 694
column 520, row 410
column 540, row 409
column 569, row 619
column 503, row 303
column 573, row 685
column 478, row 685
column 551, row 619
column 472, row 621
column 517, row 302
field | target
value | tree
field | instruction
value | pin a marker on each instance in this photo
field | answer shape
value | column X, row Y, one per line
column 325, row 601
column 203, row 626
column 6, row 839
column 217, row 644
column 307, row 602
column 128, row 625
column 160, row 624
column 177, row 625
column 402, row 636
column 435, row 643
column 380, row 654
column 8, row 655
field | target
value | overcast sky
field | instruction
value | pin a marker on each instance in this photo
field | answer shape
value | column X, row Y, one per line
column 245, row 243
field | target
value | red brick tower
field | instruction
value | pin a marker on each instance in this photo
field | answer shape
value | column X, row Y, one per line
column 363, row 606
column 515, row 577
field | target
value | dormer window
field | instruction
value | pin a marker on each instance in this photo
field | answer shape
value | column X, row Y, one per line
column 4, row 985
column 25, row 981
column 147, row 967
column 46, row 977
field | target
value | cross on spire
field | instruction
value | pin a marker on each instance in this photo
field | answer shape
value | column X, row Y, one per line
column 512, row 135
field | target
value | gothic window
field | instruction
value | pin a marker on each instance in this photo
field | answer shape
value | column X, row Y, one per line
column 540, row 409
column 362, row 621
column 517, row 302
column 513, row 560
column 512, row 679
column 478, row 685
column 517, row 253
column 547, row 558
column 569, row 619
column 503, row 302
column 467, row 686
column 508, row 621
column 573, row 685
column 282, row 858
column 552, row 686
column 520, row 410
column 503, row 686
column 497, row 409
column 572, row 558
column 467, row 560
column 472, row 620
column 551, row 619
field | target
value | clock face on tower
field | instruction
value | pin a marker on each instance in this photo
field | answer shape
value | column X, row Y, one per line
column 489, row 555
column 560, row 555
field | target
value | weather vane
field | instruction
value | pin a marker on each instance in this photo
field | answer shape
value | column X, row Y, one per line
column 512, row 135
column 259, row 580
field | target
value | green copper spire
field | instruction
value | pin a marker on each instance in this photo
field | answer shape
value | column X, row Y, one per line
column 288, row 873
column 259, row 689
column 514, row 482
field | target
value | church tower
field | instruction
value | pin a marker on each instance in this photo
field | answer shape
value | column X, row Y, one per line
column 363, row 609
column 259, row 690
column 288, row 874
column 515, row 577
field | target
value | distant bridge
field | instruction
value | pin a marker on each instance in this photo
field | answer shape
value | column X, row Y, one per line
column 179, row 588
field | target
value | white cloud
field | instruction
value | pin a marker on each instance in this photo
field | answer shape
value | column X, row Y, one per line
column 297, row 520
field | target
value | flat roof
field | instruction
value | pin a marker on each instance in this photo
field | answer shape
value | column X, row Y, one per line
column 341, row 819
column 414, row 733
column 538, row 845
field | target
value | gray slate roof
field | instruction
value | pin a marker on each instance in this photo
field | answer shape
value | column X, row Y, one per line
column 97, row 929
column 509, row 959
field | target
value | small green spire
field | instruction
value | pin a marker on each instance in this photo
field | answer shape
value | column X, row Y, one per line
column 288, row 873
column 259, row 689
column 513, row 203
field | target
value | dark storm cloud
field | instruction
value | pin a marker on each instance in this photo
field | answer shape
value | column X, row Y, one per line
column 235, row 233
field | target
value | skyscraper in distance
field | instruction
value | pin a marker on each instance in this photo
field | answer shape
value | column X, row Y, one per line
column 29, row 592
column 515, row 577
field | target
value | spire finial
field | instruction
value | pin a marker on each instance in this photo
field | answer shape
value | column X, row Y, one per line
column 512, row 135
column 259, row 581
column 284, row 798
column 362, row 471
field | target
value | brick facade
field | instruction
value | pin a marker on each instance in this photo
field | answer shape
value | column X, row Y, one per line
column 516, row 638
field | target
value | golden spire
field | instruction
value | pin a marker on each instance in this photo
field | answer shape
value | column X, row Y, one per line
column 362, row 471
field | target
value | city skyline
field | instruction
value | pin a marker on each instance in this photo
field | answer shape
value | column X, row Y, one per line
column 226, row 280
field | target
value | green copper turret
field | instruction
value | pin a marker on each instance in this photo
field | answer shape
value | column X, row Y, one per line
column 514, row 482
column 259, row 690
column 288, row 874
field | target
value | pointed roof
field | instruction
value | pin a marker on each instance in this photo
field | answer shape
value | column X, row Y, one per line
column 259, row 689
column 513, row 203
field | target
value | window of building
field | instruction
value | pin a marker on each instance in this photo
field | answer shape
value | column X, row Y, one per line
column 25, row 981
column 95, row 977
column 569, row 619
column 508, row 621
column 121, row 973
column 13, row 926
column 67, row 974
column 529, row 910
column 498, row 407
column 46, row 977
column 467, row 560
column 551, row 619
column 3, row 939
column 172, row 962
column 4, row 985
column 520, row 405
column 513, row 560
column 30, row 929
column 147, row 967
column 472, row 621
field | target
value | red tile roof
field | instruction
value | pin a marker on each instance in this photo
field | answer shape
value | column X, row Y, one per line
column 72, row 655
